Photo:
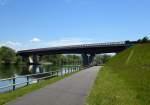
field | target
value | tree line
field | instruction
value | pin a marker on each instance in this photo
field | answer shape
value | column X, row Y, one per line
column 102, row 59
column 61, row 59
column 9, row 56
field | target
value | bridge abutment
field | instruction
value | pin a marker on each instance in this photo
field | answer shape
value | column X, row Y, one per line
column 35, row 59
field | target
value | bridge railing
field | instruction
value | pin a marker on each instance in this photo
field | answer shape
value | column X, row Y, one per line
column 105, row 44
column 35, row 78
column 96, row 44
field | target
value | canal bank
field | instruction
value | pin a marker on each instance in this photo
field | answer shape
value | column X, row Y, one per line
column 69, row 91
column 12, row 83
column 12, row 95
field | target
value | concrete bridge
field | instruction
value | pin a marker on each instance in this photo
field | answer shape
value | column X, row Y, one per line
column 87, row 51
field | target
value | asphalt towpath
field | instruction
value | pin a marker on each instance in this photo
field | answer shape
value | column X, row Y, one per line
column 69, row 91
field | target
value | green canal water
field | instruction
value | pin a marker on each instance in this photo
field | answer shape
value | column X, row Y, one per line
column 20, row 72
column 8, row 71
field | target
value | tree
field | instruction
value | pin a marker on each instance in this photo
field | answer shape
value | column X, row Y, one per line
column 7, row 55
column 54, row 59
column 144, row 40
column 73, row 59
column 98, row 59
column 101, row 59
column 105, row 58
column 61, row 59
column 18, row 60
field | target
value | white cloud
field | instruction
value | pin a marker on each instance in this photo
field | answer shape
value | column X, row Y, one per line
column 35, row 40
column 14, row 45
column 43, row 44
column 69, row 41
column 56, row 43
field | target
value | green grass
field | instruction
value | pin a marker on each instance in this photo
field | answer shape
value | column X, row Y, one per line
column 124, row 80
column 6, row 97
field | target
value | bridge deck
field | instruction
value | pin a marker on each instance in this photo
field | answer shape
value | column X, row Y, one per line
column 70, row 91
column 79, row 49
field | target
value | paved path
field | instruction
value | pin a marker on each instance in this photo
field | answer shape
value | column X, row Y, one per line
column 70, row 91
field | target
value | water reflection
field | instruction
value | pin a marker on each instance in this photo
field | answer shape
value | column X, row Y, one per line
column 7, row 71
column 21, row 71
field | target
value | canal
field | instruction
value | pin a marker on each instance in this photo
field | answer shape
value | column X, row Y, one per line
column 20, row 72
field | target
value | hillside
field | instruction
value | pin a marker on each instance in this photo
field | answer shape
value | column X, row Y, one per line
column 125, row 79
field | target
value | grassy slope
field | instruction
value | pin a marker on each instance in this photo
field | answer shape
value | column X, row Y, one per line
column 125, row 80
column 6, row 97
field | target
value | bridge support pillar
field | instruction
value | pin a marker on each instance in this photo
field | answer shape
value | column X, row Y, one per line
column 85, row 59
column 35, row 59
column 91, row 59
column 31, row 60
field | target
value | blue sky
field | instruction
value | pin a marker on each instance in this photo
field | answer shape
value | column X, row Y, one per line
column 28, row 24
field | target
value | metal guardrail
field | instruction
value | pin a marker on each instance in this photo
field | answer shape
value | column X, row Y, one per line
column 28, row 81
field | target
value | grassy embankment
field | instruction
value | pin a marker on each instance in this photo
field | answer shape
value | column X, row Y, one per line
column 6, row 97
column 124, row 80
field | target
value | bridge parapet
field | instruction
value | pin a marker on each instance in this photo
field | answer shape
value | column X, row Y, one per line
column 95, row 44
